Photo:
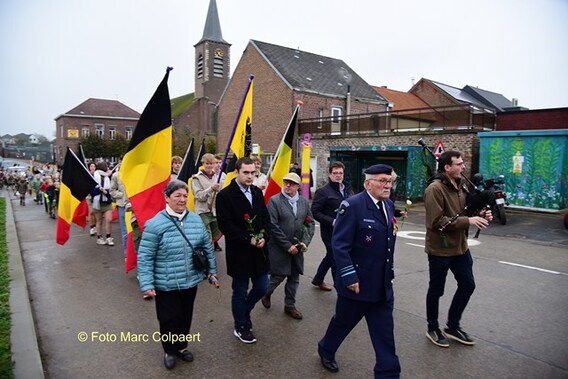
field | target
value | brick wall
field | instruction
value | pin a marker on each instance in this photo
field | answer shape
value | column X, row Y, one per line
column 431, row 94
column 533, row 120
column 466, row 142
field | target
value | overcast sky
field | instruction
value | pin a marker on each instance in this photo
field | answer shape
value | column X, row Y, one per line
column 55, row 54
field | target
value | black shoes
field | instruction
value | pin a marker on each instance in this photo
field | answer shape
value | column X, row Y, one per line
column 459, row 335
column 245, row 335
column 169, row 361
column 438, row 338
column 185, row 355
column 329, row 364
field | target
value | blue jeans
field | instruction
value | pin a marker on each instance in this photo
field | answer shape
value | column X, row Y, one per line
column 462, row 268
column 243, row 301
column 326, row 263
column 123, row 230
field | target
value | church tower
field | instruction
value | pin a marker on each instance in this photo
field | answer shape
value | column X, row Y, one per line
column 212, row 59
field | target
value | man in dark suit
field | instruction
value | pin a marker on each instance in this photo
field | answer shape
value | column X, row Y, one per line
column 243, row 218
column 363, row 245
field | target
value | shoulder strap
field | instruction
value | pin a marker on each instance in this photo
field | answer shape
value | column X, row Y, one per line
column 181, row 231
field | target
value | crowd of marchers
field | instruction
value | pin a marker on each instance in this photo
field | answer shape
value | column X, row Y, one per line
column 265, row 241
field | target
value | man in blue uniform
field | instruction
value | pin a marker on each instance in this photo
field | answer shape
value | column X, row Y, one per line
column 363, row 246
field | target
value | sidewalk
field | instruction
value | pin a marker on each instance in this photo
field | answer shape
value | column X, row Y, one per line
column 23, row 338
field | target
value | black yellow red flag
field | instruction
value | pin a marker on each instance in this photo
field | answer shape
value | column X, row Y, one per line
column 76, row 184
column 145, row 168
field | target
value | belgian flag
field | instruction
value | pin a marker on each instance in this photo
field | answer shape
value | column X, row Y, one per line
column 76, row 184
column 145, row 168
column 282, row 159
column 240, row 140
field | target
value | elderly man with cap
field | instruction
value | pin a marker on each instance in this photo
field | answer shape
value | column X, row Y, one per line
column 363, row 246
column 292, row 229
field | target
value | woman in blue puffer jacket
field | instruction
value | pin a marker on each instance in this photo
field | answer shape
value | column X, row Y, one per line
column 166, row 270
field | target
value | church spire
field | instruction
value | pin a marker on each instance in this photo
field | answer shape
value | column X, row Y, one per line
column 212, row 30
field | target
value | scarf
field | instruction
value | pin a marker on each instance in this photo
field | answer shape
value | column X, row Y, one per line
column 209, row 176
column 293, row 200
column 173, row 213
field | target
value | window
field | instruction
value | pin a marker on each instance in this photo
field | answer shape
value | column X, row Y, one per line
column 100, row 130
column 112, row 133
column 218, row 67
column 200, row 66
column 336, row 114
column 85, row 132
column 128, row 131
column 320, row 117
column 335, row 120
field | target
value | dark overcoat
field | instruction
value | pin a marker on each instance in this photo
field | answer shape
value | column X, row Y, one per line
column 243, row 259
column 288, row 229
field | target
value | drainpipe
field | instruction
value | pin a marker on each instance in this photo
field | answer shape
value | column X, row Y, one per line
column 348, row 107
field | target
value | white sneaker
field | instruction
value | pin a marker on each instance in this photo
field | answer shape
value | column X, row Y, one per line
column 93, row 231
column 101, row 241
column 110, row 241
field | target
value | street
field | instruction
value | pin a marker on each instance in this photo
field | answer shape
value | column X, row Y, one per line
column 518, row 313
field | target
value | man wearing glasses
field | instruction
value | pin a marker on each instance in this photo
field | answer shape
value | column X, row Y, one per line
column 363, row 246
column 448, row 250
column 324, row 208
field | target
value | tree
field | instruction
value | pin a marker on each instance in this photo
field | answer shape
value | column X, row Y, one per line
column 41, row 139
column 117, row 147
column 181, row 141
column 93, row 146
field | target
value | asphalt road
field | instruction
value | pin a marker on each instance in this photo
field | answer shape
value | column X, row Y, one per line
column 518, row 313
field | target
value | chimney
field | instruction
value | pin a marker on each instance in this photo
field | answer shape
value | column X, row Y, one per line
column 515, row 102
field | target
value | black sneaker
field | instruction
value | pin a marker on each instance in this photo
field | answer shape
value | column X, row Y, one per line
column 244, row 335
column 438, row 338
column 459, row 335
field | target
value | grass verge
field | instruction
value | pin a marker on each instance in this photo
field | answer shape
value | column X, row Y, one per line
column 5, row 321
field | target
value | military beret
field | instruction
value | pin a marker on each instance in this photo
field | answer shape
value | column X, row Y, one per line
column 379, row 169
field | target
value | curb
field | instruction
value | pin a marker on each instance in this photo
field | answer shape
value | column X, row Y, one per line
column 23, row 338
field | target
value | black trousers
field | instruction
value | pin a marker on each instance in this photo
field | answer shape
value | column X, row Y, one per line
column 175, row 312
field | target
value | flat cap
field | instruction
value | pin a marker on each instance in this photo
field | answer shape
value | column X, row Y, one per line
column 379, row 169
column 292, row 177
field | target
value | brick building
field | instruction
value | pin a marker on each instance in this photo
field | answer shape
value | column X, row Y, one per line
column 328, row 87
column 105, row 118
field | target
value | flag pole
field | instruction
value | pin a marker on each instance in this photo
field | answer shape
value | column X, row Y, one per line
column 222, row 169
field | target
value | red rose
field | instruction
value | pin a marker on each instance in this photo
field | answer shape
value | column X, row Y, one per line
column 247, row 216
column 308, row 220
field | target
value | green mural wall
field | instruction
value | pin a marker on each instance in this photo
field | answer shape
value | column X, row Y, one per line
column 534, row 164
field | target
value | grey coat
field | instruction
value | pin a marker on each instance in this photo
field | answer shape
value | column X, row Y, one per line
column 284, row 227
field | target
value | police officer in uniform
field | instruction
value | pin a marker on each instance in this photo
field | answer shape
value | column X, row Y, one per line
column 363, row 246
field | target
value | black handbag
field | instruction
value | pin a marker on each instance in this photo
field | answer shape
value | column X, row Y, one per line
column 200, row 261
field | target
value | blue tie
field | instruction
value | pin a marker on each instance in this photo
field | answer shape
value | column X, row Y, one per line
column 382, row 211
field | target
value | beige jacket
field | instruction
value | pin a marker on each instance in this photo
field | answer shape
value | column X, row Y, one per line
column 443, row 200
column 204, row 196
column 117, row 191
